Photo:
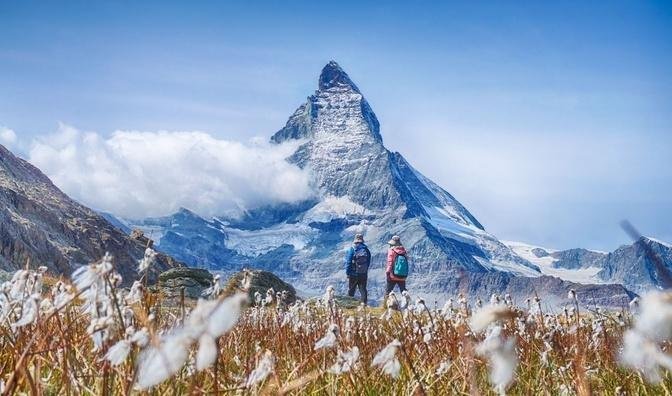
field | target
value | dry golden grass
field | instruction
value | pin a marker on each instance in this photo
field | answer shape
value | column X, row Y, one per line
column 54, row 355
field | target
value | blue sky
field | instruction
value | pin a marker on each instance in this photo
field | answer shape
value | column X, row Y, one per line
column 550, row 122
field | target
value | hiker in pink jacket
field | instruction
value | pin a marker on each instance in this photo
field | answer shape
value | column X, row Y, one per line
column 397, row 265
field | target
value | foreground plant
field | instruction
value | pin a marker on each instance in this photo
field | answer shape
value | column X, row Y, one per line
column 92, row 336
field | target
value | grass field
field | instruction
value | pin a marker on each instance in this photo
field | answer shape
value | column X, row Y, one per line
column 93, row 337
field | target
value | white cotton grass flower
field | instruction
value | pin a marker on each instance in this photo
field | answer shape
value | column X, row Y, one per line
column 208, row 321
column 46, row 307
column 502, row 358
column 264, row 367
column 405, row 300
column 135, row 293
column 508, row 300
column 387, row 360
column 84, row 277
column 226, row 314
column 488, row 315
column 391, row 301
column 29, row 312
column 653, row 326
column 447, row 309
column 427, row 334
column 329, row 295
column 643, row 355
column 270, row 297
column 98, row 330
column 345, row 361
column 62, row 295
column 216, row 288
column 655, row 319
column 443, row 368
column 118, row 352
column 571, row 295
column 158, row 363
column 207, row 352
column 17, row 286
column 141, row 337
column 329, row 339
column 147, row 260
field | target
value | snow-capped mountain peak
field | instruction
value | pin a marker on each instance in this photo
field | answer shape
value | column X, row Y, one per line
column 333, row 76
column 361, row 188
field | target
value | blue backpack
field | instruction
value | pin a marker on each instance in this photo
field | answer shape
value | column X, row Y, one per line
column 361, row 259
column 400, row 266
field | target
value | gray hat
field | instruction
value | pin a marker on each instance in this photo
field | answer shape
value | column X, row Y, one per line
column 395, row 241
column 359, row 238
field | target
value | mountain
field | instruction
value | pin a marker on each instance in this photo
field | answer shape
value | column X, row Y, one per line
column 40, row 225
column 629, row 265
column 361, row 187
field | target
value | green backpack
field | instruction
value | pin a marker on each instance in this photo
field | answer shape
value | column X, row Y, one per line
column 400, row 266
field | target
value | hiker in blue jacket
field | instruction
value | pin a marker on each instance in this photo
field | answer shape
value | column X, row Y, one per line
column 357, row 261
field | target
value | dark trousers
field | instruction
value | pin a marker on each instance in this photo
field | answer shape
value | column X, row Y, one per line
column 357, row 282
column 392, row 283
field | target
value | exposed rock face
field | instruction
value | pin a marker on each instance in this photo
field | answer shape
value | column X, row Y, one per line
column 634, row 268
column 261, row 282
column 539, row 252
column 630, row 265
column 41, row 225
column 193, row 280
column 553, row 291
column 362, row 188
column 578, row 258
column 139, row 236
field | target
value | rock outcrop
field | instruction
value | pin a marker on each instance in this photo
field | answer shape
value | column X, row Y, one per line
column 192, row 280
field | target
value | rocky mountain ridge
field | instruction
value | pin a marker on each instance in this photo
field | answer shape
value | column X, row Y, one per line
column 40, row 225
column 629, row 265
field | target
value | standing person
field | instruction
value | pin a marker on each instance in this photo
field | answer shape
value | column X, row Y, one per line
column 357, row 260
column 397, row 265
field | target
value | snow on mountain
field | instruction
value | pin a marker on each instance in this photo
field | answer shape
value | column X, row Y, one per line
column 361, row 187
column 658, row 241
column 547, row 264
column 331, row 207
column 629, row 265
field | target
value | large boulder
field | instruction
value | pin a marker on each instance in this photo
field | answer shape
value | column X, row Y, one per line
column 193, row 280
column 261, row 281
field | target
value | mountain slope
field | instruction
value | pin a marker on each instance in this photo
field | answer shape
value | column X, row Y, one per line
column 41, row 225
column 629, row 265
column 345, row 153
column 361, row 187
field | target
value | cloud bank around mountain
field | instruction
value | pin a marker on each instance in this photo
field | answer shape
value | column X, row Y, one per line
column 138, row 174
column 7, row 137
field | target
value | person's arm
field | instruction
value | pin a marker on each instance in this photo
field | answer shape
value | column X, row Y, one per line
column 390, row 261
column 348, row 258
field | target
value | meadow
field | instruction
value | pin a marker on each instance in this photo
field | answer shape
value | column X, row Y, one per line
column 88, row 335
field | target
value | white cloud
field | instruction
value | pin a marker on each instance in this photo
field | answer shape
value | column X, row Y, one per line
column 7, row 136
column 138, row 174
